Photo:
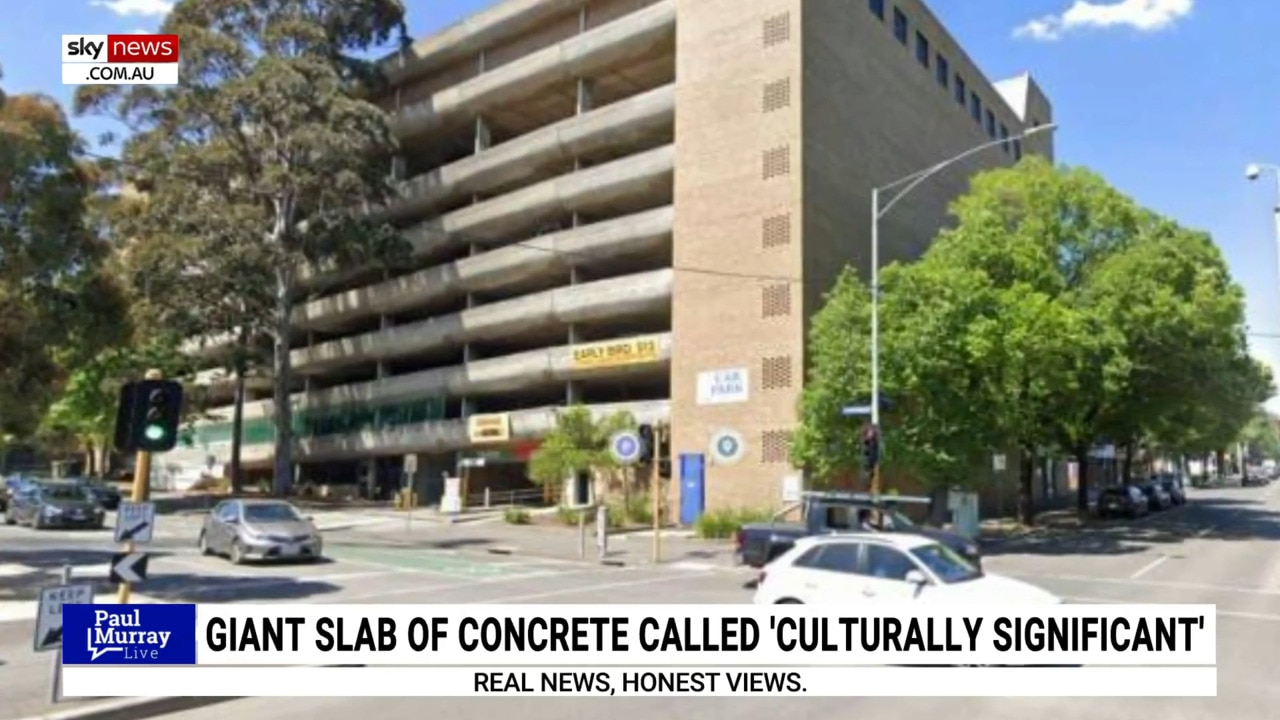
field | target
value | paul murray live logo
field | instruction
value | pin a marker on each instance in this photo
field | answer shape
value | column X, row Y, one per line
column 120, row 59
column 129, row 634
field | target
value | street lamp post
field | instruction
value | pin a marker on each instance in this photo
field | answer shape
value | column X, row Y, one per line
column 1253, row 172
column 907, row 184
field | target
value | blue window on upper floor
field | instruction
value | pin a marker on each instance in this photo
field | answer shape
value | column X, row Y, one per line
column 942, row 70
column 962, row 90
column 922, row 49
column 1004, row 135
column 991, row 124
column 1017, row 150
column 975, row 107
column 900, row 26
column 877, row 8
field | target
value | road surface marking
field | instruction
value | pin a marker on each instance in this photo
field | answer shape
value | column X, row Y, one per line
column 580, row 590
column 237, row 583
column 1149, row 567
column 15, row 610
column 451, row 587
column 1156, row 583
column 1205, row 531
column 1220, row 612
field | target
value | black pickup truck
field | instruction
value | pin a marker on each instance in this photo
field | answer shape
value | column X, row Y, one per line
column 823, row 513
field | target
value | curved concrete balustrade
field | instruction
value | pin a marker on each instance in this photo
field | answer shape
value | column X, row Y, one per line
column 612, row 299
column 630, row 176
column 470, row 36
column 445, row 435
column 614, row 125
column 547, row 254
column 609, row 45
column 490, row 376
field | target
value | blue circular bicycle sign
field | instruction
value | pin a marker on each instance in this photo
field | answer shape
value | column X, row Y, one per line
column 726, row 446
column 625, row 447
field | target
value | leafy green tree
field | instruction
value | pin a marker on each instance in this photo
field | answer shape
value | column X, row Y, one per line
column 579, row 443
column 58, row 307
column 1261, row 437
column 259, row 156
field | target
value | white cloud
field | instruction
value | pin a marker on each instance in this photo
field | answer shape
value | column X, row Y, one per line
column 145, row 8
column 1141, row 15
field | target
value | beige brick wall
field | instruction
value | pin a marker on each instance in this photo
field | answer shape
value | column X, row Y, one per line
column 855, row 109
column 726, row 143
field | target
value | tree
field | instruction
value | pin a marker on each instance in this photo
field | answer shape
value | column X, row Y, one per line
column 260, row 155
column 579, row 443
column 1261, row 437
column 58, row 307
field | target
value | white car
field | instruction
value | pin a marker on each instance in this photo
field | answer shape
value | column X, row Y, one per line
column 885, row 567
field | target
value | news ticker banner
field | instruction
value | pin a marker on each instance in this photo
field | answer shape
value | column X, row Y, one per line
column 629, row 650
column 134, row 59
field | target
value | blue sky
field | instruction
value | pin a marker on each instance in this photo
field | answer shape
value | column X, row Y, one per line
column 1168, row 99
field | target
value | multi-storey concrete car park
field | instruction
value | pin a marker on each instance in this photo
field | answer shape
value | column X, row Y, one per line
column 610, row 201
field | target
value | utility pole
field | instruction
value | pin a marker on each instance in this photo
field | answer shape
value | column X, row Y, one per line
column 140, row 492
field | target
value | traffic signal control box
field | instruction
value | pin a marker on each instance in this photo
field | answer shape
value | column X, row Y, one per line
column 149, row 416
column 870, row 447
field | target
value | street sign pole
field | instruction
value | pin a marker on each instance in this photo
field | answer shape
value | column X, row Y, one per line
column 656, row 485
column 55, row 671
column 141, row 490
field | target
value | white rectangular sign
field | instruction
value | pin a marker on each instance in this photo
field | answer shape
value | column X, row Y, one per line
column 48, row 635
column 135, row 522
column 720, row 387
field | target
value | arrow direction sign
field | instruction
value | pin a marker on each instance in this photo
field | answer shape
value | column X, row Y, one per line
column 48, row 634
column 135, row 522
column 128, row 567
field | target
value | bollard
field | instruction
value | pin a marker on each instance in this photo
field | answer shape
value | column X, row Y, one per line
column 486, row 498
column 582, row 534
column 602, row 530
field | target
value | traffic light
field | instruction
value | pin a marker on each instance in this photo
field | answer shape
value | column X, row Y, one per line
column 870, row 447
column 645, row 432
column 149, row 415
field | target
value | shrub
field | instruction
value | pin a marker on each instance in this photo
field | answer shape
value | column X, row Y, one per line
column 720, row 524
column 516, row 516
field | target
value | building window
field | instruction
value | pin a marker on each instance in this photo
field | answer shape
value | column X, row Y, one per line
column 943, row 71
column 975, row 107
column 922, row 49
column 1004, row 135
column 877, row 8
column 900, row 26
column 991, row 125
column 1017, row 150
column 962, row 90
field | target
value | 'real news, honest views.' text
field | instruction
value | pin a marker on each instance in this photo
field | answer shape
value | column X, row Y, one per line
column 635, row 650
column 120, row 59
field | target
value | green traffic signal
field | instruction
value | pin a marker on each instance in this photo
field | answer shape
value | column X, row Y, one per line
column 154, row 432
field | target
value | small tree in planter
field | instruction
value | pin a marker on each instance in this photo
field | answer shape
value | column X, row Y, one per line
column 579, row 443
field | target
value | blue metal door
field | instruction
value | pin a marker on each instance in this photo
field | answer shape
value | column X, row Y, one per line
column 693, row 486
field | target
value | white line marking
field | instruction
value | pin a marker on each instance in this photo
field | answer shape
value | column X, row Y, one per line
column 1219, row 612
column 426, row 589
column 16, row 610
column 1149, row 567
column 691, row 565
column 1155, row 583
column 579, row 590
column 1201, row 533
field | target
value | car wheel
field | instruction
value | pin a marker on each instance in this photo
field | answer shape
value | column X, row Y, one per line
column 237, row 553
column 203, row 543
column 37, row 521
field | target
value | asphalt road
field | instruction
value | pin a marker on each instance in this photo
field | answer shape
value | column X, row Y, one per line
column 1220, row 549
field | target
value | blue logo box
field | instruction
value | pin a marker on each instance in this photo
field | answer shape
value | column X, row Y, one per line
column 129, row 634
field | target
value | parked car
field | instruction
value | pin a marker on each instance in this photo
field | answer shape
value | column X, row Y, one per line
column 1122, row 501
column 53, row 505
column 1174, row 485
column 864, row 568
column 105, row 494
column 11, row 486
column 1157, row 497
column 243, row 530
column 825, row 513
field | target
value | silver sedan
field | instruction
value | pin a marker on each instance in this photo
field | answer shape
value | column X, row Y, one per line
column 259, row 529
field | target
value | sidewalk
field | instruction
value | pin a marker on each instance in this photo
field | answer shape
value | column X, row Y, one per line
column 550, row 542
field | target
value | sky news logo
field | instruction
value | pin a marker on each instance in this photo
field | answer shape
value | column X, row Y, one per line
column 119, row 59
